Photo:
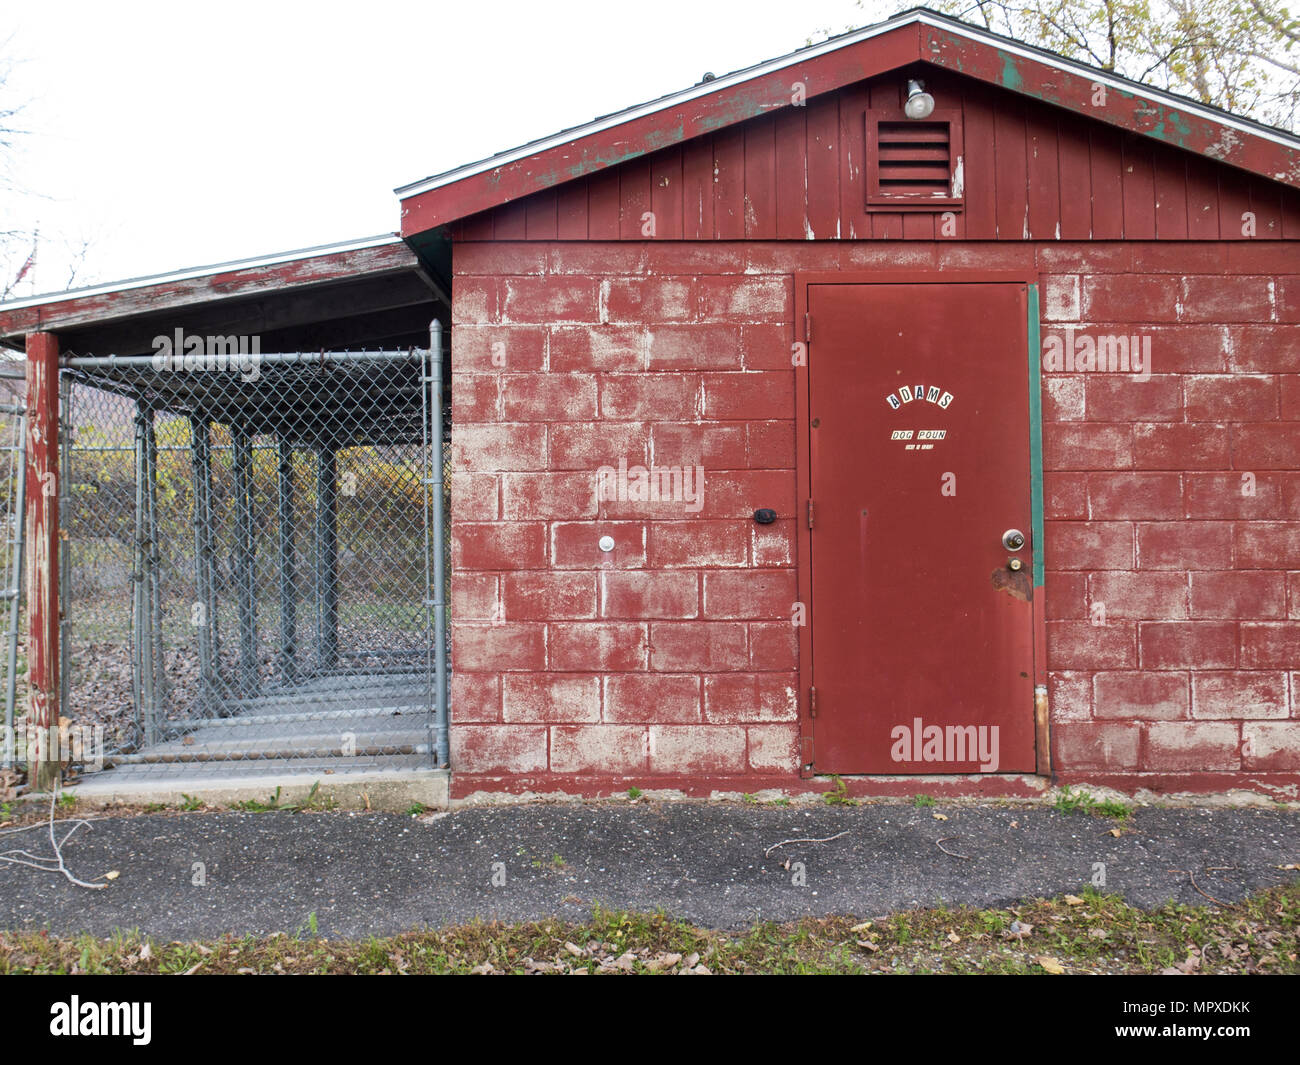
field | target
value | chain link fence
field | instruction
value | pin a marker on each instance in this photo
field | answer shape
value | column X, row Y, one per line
column 248, row 560
column 13, row 645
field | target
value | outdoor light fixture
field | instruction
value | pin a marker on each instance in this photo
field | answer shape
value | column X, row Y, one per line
column 920, row 104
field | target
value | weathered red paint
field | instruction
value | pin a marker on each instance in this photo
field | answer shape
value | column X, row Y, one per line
column 1011, row 786
column 1167, row 632
column 1131, row 111
column 721, row 125
column 676, row 352
column 674, row 125
column 803, row 173
column 41, row 535
column 918, row 624
column 74, row 311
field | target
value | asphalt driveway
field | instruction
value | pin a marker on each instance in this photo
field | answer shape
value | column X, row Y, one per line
column 201, row 875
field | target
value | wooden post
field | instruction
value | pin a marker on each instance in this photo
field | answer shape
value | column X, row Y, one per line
column 42, row 552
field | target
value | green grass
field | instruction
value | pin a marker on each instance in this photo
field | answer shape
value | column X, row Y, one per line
column 923, row 800
column 1092, row 933
column 313, row 802
column 1073, row 802
column 838, row 795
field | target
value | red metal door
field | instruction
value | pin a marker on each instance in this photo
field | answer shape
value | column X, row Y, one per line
column 921, row 618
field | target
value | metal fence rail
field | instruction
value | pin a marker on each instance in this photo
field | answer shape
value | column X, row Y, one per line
column 253, row 563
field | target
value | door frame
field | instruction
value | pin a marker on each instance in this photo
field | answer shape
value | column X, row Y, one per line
column 803, row 484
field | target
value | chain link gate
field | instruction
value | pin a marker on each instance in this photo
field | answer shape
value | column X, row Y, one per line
column 249, row 560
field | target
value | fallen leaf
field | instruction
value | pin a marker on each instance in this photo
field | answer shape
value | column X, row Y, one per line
column 860, row 927
column 866, row 944
column 1117, row 832
column 953, row 937
column 940, row 817
column 1050, row 964
column 1073, row 900
column 112, row 875
column 1020, row 928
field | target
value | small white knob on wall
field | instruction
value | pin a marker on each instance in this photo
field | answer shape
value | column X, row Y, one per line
column 607, row 543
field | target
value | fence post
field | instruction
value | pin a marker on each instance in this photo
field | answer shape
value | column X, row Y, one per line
column 441, row 743
column 288, row 580
column 205, row 584
column 245, row 575
column 42, row 542
column 327, row 551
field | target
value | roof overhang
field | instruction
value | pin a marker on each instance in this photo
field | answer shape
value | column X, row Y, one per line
column 358, row 292
column 916, row 36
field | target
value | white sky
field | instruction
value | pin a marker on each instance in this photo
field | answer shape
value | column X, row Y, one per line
column 184, row 133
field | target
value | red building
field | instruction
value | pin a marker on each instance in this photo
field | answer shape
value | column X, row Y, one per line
column 919, row 403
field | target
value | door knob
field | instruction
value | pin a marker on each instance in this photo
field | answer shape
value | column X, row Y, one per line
column 1013, row 539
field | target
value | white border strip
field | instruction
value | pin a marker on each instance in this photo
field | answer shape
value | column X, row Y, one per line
column 202, row 271
column 739, row 77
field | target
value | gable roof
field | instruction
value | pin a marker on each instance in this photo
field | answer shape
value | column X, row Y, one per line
column 915, row 36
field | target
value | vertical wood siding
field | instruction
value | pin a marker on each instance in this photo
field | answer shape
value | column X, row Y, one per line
column 1032, row 172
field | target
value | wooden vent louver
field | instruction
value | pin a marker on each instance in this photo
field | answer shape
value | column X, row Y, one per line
column 913, row 164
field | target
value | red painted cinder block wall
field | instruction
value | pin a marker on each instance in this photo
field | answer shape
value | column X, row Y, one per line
column 1172, row 506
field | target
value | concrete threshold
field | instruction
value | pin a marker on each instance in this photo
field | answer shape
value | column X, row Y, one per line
column 393, row 790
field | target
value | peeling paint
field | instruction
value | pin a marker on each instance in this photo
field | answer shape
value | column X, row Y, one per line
column 1011, row 71
column 1015, row 583
column 1225, row 147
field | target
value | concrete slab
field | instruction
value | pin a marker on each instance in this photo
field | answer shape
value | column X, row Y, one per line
column 391, row 789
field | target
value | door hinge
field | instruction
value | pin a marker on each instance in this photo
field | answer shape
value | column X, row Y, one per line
column 812, row 700
column 810, row 513
column 807, row 328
